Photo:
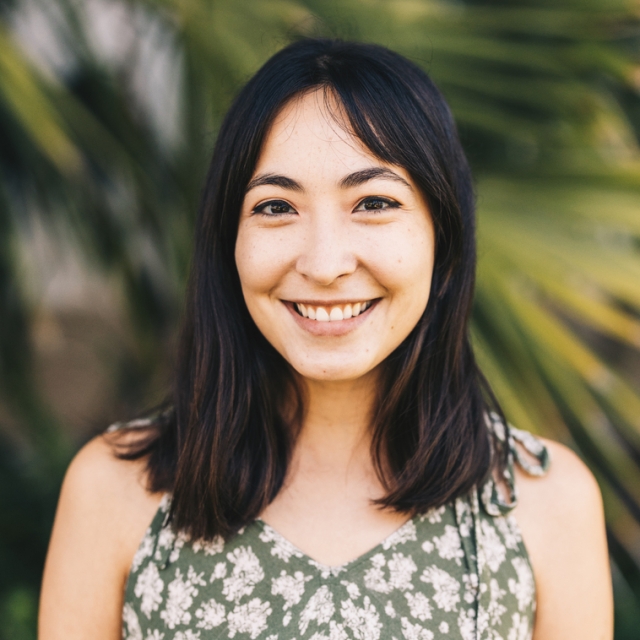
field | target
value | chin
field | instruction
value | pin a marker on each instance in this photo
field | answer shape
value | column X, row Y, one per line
column 332, row 371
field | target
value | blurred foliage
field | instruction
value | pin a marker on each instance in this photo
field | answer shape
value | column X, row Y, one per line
column 110, row 143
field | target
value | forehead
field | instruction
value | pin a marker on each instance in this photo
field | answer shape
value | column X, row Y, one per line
column 312, row 130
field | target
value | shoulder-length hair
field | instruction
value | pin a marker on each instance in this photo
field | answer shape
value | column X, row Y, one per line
column 223, row 450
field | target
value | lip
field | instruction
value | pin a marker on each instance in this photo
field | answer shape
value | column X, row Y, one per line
column 335, row 328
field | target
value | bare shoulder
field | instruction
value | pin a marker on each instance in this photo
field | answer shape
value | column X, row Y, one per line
column 567, row 491
column 561, row 518
column 103, row 511
column 99, row 480
column 107, row 498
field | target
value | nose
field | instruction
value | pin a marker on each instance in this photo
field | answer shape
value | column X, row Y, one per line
column 327, row 253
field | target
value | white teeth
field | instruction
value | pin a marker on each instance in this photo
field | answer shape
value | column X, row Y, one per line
column 335, row 313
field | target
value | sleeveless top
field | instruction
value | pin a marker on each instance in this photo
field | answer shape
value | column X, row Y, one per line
column 458, row 572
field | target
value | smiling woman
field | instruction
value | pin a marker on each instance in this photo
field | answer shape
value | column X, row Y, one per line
column 332, row 242
column 332, row 464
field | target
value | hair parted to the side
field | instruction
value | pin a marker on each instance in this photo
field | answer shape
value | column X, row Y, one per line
column 223, row 452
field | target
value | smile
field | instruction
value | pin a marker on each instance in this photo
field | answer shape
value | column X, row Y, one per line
column 332, row 313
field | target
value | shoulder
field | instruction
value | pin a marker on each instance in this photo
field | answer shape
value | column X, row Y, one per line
column 568, row 490
column 96, row 472
column 99, row 487
column 561, row 518
column 103, row 511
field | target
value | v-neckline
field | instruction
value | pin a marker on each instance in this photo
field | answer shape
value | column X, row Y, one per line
column 334, row 570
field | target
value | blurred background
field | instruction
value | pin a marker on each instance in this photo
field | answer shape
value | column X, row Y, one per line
column 108, row 113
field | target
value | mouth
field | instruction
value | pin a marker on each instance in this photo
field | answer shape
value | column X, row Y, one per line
column 333, row 312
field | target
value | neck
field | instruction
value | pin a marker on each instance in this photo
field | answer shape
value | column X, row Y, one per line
column 335, row 432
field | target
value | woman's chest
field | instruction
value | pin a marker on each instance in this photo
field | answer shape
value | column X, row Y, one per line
column 447, row 574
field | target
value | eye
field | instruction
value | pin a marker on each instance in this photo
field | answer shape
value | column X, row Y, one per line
column 377, row 203
column 274, row 208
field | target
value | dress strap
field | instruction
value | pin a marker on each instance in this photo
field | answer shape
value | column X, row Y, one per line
column 141, row 423
column 477, row 531
column 523, row 449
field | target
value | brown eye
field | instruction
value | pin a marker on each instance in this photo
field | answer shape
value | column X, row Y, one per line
column 377, row 204
column 274, row 208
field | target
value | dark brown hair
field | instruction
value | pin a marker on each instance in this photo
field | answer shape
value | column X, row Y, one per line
column 223, row 448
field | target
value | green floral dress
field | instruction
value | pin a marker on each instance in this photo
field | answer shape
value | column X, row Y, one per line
column 459, row 572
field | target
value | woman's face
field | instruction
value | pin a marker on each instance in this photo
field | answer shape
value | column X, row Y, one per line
column 335, row 248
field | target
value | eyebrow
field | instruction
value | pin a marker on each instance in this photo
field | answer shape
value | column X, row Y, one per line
column 352, row 180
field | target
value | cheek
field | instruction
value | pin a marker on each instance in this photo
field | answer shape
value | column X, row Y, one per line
column 259, row 263
column 403, row 263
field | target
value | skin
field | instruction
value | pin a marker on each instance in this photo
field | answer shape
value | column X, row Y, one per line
column 319, row 243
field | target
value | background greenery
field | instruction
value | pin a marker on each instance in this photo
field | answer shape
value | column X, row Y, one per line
column 108, row 113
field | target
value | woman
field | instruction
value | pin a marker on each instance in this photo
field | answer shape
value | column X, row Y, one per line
column 333, row 464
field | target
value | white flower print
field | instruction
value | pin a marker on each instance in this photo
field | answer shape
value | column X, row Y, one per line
column 519, row 628
column 179, row 542
column 446, row 601
column 336, row 632
column 496, row 610
column 130, row 621
column 211, row 614
column 486, row 495
column 352, row 589
column 374, row 577
column 319, row 608
column 281, row 547
column 219, row 572
column 446, row 587
column 463, row 516
column 419, row 606
column 149, row 586
column 532, row 445
column 509, row 530
column 144, row 550
column 449, row 545
column 209, row 547
column 187, row 635
column 524, row 588
column 428, row 546
column 389, row 610
column 364, row 622
column 250, row 618
column 491, row 552
column 401, row 568
column 415, row 631
column 467, row 624
column 433, row 515
column 470, row 582
column 180, row 598
column 247, row 572
column 406, row 533
column 165, row 503
column 165, row 541
column 327, row 571
column 291, row 588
